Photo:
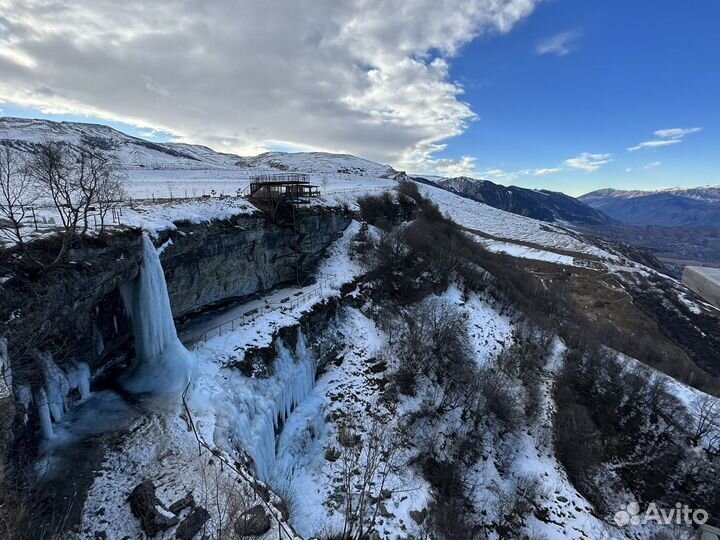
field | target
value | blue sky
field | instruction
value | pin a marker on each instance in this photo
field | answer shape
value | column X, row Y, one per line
column 628, row 69
column 544, row 94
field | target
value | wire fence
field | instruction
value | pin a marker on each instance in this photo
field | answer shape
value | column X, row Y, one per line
column 286, row 304
column 284, row 530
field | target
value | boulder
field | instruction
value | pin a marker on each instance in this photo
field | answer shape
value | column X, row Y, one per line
column 153, row 515
column 192, row 523
column 186, row 502
column 418, row 516
column 253, row 522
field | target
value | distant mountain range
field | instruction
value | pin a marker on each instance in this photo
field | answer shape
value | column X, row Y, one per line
column 544, row 205
column 697, row 207
column 134, row 152
column 694, row 207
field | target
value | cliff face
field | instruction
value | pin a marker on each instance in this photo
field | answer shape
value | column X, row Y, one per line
column 77, row 314
column 226, row 260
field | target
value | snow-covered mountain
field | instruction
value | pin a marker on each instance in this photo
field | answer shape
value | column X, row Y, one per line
column 710, row 193
column 137, row 153
column 539, row 204
column 677, row 207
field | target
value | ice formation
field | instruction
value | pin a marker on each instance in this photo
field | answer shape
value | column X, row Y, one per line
column 162, row 363
column 261, row 406
column 52, row 399
column 5, row 371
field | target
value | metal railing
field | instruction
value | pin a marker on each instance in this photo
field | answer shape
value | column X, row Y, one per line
column 288, row 303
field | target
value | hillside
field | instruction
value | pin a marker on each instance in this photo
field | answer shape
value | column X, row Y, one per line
column 442, row 369
column 544, row 205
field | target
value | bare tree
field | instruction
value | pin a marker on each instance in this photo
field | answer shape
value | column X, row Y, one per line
column 102, row 183
column 17, row 193
column 111, row 190
column 706, row 427
column 59, row 179
column 75, row 181
column 365, row 466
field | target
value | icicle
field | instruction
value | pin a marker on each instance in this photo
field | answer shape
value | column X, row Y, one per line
column 162, row 363
column 79, row 378
column 51, row 399
column 99, row 342
column 57, row 386
column 264, row 405
column 41, row 401
column 5, row 371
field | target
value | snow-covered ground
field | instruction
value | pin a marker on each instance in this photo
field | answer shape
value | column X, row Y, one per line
column 238, row 415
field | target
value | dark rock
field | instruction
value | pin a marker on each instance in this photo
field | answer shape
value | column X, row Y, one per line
column 282, row 505
column 262, row 491
column 418, row 516
column 192, row 523
column 378, row 367
column 152, row 513
column 100, row 535
column 384, row 512
column 253, row 522
column 186, row 502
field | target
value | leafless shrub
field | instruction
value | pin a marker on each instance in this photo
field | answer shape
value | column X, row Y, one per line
column 17, row 193
column 705, row 430
column 75, row 183
column 366, row 462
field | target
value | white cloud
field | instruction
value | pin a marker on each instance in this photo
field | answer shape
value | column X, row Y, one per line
column 654, row 144
column 588, row 162
column 652, row 165
column 667, row 137
column 629, row 169
column 546, row 172
column 559, row 44
column 464, row 166
column 675, row 133
column 503, row 176
column 369, row 77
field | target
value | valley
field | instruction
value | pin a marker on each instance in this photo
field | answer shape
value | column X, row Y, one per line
column 389, row 359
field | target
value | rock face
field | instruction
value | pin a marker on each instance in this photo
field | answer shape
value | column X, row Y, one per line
column 80, row 306
column 77, row 312
column 238, row 258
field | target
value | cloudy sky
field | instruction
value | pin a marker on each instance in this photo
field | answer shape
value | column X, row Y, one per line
column 565, row 94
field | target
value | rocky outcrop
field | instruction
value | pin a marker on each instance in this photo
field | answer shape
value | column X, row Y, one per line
column 240, row 257
column 76, row 312
column 192, row 523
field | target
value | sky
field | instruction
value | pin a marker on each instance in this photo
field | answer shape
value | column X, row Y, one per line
column 569, row 95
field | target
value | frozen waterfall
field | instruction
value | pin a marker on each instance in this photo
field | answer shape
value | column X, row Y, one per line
column 54, row 398
column 162, row 363
column 261, row 406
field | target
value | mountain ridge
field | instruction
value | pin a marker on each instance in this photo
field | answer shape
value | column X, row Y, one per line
column 676, row 207
column 542, row 204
